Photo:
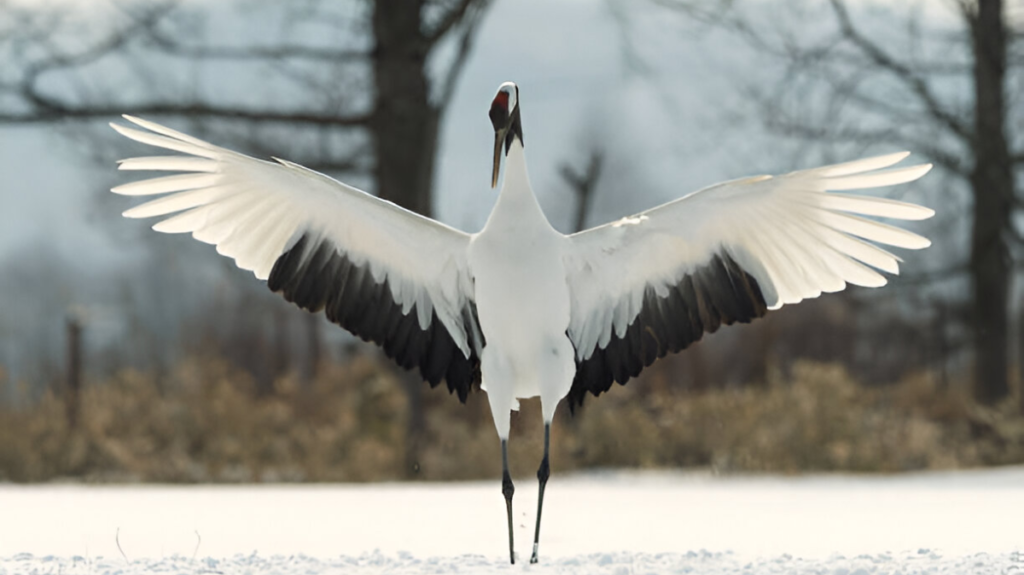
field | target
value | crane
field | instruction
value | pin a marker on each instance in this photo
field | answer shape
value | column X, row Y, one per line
column 519, row 309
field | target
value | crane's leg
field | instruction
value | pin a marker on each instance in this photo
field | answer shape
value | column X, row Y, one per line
column 542, row 475
column 507, row 489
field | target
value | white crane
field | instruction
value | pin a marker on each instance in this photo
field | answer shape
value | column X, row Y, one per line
column 519, row 308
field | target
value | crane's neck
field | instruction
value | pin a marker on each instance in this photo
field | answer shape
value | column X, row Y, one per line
column 517, row 205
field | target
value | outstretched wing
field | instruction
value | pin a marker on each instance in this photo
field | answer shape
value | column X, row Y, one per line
column 382, row 272
column 654, row 283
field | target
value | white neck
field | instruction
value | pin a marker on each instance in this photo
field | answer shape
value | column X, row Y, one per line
column 517, row 179
column 517, row 205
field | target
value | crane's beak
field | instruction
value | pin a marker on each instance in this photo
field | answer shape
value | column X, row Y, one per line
column 499, row 140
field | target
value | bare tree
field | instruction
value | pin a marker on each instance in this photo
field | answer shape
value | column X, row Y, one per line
column 584, row 184
column 361, row 87
column 915, row 81
column 366, row 73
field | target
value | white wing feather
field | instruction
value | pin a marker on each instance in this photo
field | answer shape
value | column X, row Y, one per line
column 793, row 236
column 254, row 211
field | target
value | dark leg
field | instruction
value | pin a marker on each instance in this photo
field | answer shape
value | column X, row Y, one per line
column 507, row 489
column 542, row 475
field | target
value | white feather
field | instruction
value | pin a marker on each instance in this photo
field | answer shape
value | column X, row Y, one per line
column 790, row 233
column 859, row 166
column 868, row 206
column 167, row 184
column 169, row 164
column 177, row 202
column 172, row 144
column 253, row 211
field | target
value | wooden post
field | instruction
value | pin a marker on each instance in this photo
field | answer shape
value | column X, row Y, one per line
column 943, row 349
column 73, row 373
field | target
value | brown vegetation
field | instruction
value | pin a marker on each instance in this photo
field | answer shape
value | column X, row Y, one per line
column 203, row 422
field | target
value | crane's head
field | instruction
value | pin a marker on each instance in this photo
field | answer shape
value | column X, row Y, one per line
column 507, row 126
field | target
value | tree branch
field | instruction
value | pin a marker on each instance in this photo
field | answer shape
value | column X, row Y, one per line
column 50, row 111
column 584, row 184
column 470, row 26
column 849, row 91
column 795, row 128
column 93, row 53
column 170, row 46
column 913, row 81
column 453, row 17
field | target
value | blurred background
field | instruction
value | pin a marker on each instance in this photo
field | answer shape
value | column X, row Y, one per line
column 127, row 355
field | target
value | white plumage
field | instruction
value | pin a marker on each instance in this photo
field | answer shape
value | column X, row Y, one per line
column 793, row 237
column 254, row 211
column 532, row 311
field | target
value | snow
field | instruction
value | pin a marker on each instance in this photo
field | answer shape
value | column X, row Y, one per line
column 614, row 522
column 921, row 561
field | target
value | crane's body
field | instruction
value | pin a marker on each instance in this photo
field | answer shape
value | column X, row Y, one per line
column 522, row 299
column 519, row 309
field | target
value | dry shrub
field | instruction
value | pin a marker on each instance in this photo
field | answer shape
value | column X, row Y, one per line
column 817, row 419
column 205, row 422
column 208, row 425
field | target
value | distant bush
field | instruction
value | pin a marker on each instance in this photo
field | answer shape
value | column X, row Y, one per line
column 204, row 422
column 816, row 420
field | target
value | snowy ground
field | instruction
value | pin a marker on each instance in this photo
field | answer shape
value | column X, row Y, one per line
column 615, row 523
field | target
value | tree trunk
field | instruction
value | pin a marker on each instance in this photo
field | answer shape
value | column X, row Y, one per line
column 404, row 128
column 992, row 187
column 404, row 123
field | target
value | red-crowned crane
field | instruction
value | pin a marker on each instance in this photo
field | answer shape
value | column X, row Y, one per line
column 518, row 308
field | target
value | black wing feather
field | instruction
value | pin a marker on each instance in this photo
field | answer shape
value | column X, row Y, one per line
column 718, row 293
column 316, row 275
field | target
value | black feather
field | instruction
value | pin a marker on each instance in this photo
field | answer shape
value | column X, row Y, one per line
column 319, row 276
column 717, row 293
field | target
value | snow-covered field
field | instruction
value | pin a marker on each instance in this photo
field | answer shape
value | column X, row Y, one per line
column 618, row 522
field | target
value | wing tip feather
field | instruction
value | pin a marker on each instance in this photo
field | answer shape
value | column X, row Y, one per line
column 123, row 130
